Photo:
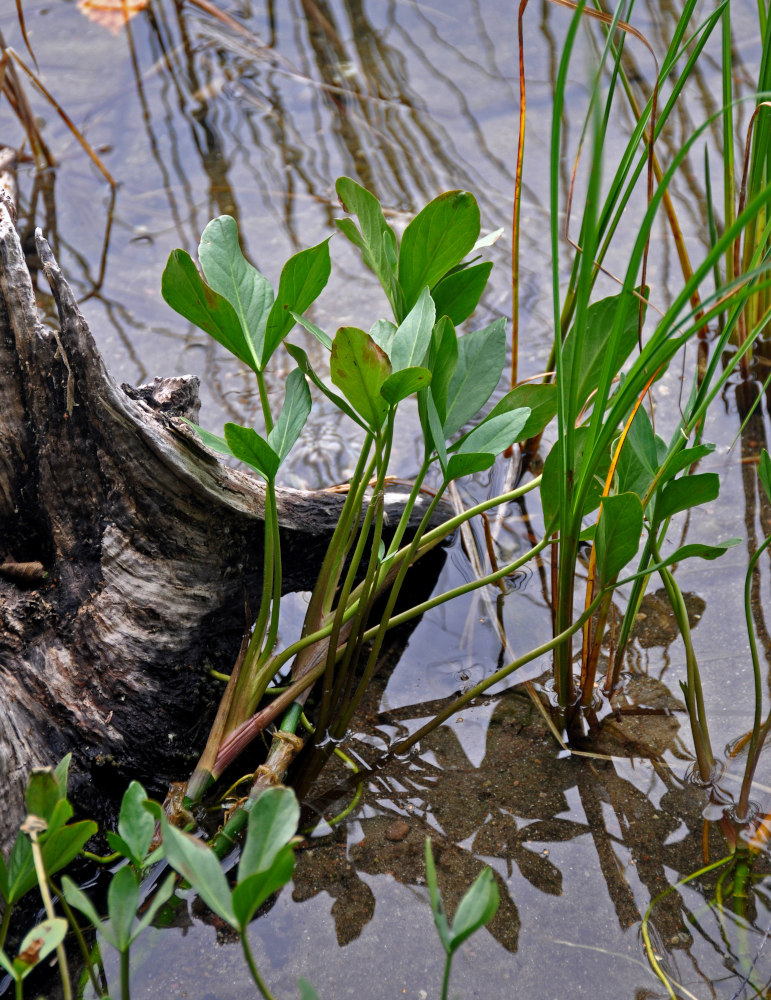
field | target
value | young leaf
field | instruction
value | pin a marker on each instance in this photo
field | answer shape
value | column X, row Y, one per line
column 477, row 907
column 294, row 413
column 213, row 441
column 305, row 366
column 359, row 368
column 457, row 295
column 196, row 863
column 382, row 333
column 467, row 465
column 686, row 492
column 435, row 241
column 481, row 357
column 403, row 383
column 122, row 903
column 302, row 280
column 494, row 434
column 37, row 945
column 539, row 397
column 135, row 825
column 61, row 773
column 412, row 339
column 307, row 992
column 186, row 292
column 437, row 907
column 251, row 893
column 442, row 362
column 272, row 823
column 365, row 206
column 323, row 338
column 229, row 274
column 43, row 794
column 600, row 317
column 247, row 446
column 617, row 538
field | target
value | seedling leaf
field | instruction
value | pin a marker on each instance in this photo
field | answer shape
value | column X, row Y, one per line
column 437, row 907
column 477, row 907
column 359, row 368
column 247, row 446
column 294, row 413
column 435, row 241
column 302, row 280
column 135, row 825
column 231, row 275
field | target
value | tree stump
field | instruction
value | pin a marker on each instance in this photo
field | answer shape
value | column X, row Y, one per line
column 126, row 552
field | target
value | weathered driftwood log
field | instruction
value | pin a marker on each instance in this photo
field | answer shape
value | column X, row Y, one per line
column 126, row 549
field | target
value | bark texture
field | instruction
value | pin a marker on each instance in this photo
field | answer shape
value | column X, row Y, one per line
column 126, row 549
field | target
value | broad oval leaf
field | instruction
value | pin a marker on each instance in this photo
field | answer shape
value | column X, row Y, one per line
column 481, row 357
column 617, row 537
column 359, row 368
column 135, row 825
column 467, row 465
column 231, row 275
column 302, row 280
column 495, row 433
column 187, row 293
column 247, row 446
column 196, row 863
column 272, row 823
column 435, row 241
column 458, row 295
column 403, row 383
column 686, row 492
column 303, row 362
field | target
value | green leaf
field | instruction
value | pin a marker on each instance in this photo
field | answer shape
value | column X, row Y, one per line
column 80, row 901
column 37, row 945
column 198, row 865
column 458, row 295
column 323, row 338
column 161, row 897
column 186, row 292
column 695, row 550
column 5, row 885
column 61, row 773
column 437, row 907
column 617, row 538
column 302, row 280
column 412, row 339
column 481, row 357
column 359, row 368
column 638, row 461
column 764, row 472
column 403, row 383
column 305, row 366
column 213, row 441
column 687, row 457
column 494, row 434
column 43, row 794
column 375, row 231
column 272, row 823
column 686, row 492
column 541, row 400
column 135, row 825
column 229, row 274
column 251, row 893
column 600, row 317
column 294, row 413
column 435, row 241
column 553, row 486
column 122, row 903
column 382, row 333
column 467, row 465
column 247, row 446
column 432, row 427
column 442, row 362
column 307, row 992
column 477, row 907
column 7, row 964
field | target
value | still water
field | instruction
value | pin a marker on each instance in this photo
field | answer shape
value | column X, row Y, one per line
column 193, row 119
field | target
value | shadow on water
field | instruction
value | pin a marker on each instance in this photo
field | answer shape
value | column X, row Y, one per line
column 195, row 118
